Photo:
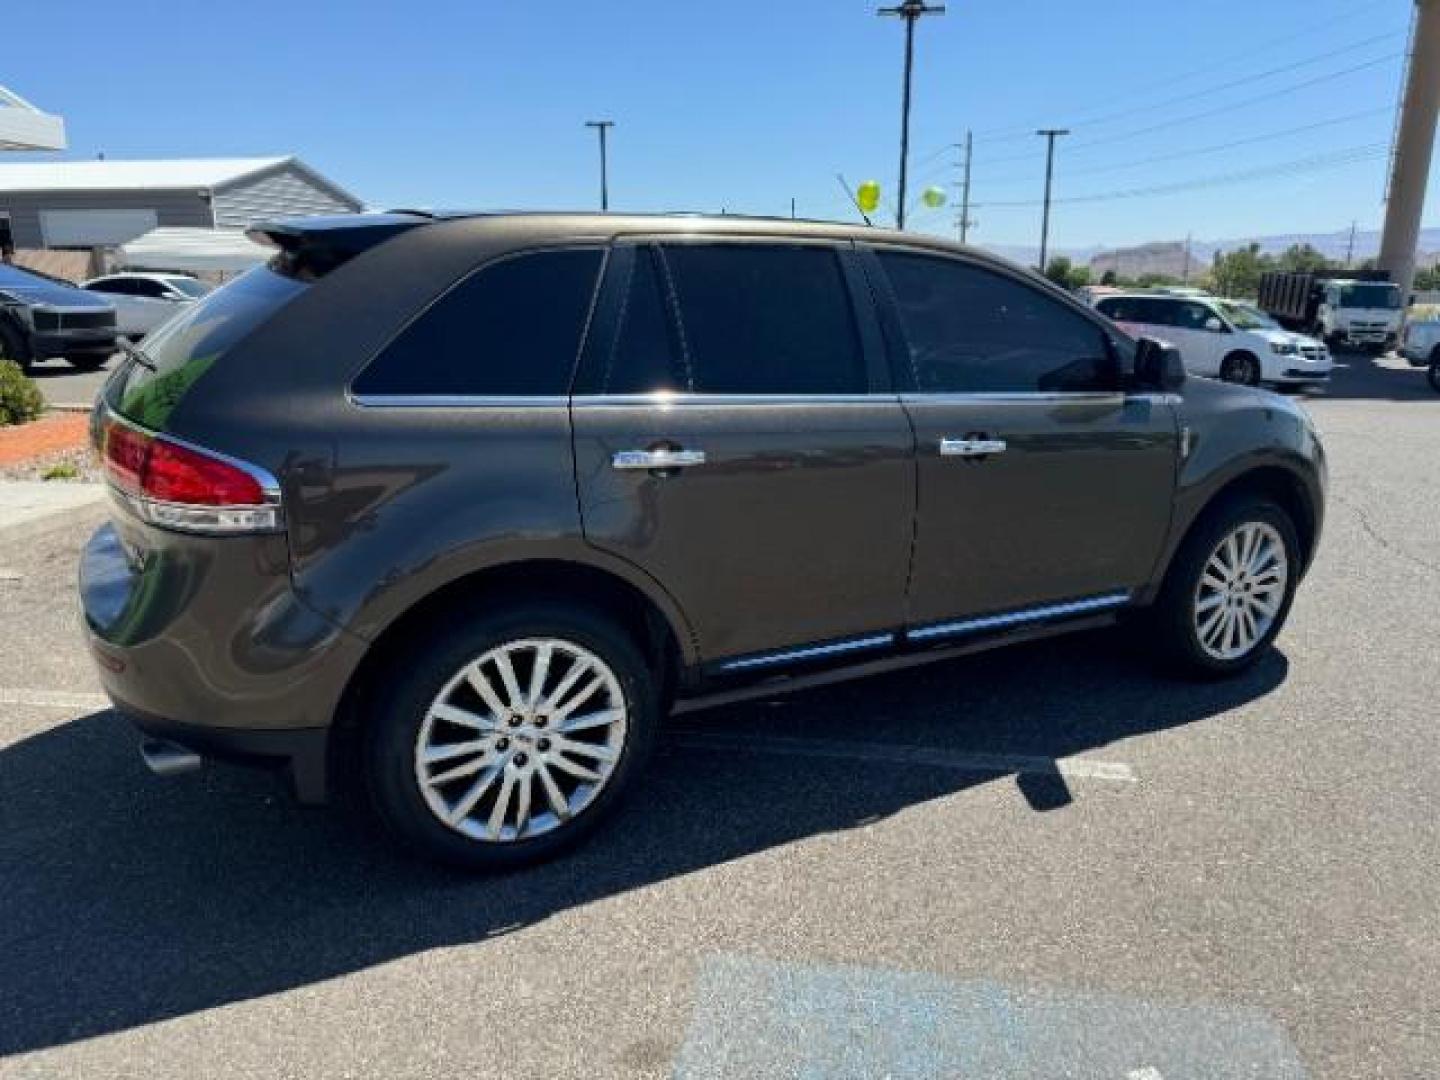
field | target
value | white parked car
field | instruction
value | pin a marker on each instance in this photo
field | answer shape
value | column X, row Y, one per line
column 1225, row 338
column 144, row 301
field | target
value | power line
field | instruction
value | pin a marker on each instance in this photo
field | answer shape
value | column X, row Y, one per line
column 1201, row 150
column 1348, row 156
column 1105, row 118
column 1174, row 121
column 1264, row 47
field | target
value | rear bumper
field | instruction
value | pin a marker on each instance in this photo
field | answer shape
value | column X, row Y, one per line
column 302, row 754
column 202, row 640
column 48, row 343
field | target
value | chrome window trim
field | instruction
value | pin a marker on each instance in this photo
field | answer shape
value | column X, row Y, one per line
column 871, row 641
column 666, row 398
column 458, row 401
column 1020, row 617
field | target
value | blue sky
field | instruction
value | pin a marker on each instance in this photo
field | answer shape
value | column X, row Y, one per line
column 744, row 105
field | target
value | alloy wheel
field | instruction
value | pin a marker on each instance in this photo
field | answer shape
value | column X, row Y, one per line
column 1241, row 590
column 521, row 740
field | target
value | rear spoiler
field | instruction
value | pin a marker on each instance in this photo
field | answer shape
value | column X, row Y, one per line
column 309, row 248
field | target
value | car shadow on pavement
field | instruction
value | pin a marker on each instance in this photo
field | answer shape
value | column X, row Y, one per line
column 125, row 900
column 1360, row 376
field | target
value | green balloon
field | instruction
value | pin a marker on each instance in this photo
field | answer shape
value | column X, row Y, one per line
column 867, row 196
column 933, row 197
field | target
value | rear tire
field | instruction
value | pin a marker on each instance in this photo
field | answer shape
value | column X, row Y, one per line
column 412, row 740
column 1242, row 368
column 1200, row 602
column 1433, row 374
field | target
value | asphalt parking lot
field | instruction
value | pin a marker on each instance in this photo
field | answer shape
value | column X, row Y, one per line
column 1042, row 862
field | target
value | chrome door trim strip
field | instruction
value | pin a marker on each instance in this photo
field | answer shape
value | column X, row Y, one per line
column 1017, row 395
column 1019, row 618
column 668, row 398
column 873, row 641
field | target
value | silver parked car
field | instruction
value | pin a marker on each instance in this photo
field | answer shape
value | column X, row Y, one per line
column 144, row 301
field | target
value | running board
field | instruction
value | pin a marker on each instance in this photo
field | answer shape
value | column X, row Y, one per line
column 785, row 684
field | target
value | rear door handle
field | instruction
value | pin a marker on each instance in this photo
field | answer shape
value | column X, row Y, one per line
column 664, row 458
column 971, row 447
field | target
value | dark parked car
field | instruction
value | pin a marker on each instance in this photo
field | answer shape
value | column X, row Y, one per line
column 476, row 498
column 43, row 317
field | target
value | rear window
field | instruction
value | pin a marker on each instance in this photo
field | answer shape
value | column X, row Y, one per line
column 176, row 356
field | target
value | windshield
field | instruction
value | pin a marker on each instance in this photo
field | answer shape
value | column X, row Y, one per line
column 188, row 286
column 42, row 289
column 1370, row 296
column 1244, row 317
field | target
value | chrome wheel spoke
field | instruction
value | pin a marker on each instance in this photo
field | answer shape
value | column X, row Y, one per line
column 502, row 755
column 578, row 771
column 464, row 718
column 553, row 795
column 467, row 802
column 589, row 721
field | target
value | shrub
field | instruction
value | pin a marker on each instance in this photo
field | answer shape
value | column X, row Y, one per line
column 20, row 398
column 61, row 470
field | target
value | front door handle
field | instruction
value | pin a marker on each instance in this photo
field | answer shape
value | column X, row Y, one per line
column 971, row 447
column 663, row 458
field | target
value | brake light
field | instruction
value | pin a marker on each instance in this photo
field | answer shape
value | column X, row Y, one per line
column 183, row 487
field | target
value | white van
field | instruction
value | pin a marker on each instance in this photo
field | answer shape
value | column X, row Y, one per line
column 1225, row 338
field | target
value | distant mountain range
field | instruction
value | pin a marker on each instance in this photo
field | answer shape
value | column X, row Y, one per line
column 1168, row 256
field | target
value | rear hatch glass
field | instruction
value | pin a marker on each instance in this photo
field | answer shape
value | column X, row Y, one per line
column 174, row 358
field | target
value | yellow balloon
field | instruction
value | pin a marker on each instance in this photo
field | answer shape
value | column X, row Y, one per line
column 933, row 197
column 867, row 196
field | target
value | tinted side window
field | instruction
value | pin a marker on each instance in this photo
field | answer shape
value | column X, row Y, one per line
column 765, row 319
column 511, row 329
column 1151, row 312
column 1191, row 316
column 1122, row 309
column 146, row 287
column 645, row 355
column 970, row 330
column 117, row 288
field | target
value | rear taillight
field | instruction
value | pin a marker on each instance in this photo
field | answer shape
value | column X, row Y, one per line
column 182, row 487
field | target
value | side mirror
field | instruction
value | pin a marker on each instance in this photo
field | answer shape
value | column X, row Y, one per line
column 1158, row 366
column 1214, row 325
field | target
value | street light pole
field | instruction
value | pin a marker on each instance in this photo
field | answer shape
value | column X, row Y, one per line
column 1050, row 135
column 603, row 127
column 910, row 11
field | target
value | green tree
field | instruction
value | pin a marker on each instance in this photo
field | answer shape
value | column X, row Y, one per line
column 1059, row 271
column 1237, row 273
column 1304, row 259
column 1109, row 278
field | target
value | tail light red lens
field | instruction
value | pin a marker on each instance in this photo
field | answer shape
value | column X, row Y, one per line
column 182, row 487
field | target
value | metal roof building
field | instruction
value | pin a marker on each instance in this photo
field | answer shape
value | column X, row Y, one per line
column 24, row 127
column 84, row 204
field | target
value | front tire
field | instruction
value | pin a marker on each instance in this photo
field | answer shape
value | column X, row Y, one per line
column 500, row 740
column 1433, row 374
column 12, row 348
column 1229, row 589
column 1242, row 368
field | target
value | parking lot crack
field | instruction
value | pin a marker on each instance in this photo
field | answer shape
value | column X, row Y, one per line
column 1380, row 538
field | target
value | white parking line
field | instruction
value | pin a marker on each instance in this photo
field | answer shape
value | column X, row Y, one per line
column 1072, row 768
column 53, row 699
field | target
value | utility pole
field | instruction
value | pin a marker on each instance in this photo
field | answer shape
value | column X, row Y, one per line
column 1189, row 238
column 1414, row 144
column 1050, row 135
column 910, row 11
column 965, row 221
column 603, row 127
column 792, row 207
column 1350, row 247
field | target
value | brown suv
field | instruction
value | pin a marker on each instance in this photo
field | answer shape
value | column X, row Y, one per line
column 485, row 494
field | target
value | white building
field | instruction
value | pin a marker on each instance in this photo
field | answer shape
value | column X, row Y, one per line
column 87, row 204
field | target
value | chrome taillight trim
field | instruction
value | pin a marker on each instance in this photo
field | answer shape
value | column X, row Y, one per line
column 245, row 520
